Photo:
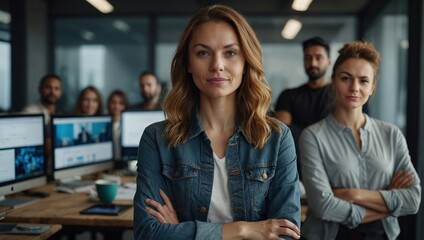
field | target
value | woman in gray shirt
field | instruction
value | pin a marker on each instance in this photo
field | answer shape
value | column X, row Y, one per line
column 357, row 170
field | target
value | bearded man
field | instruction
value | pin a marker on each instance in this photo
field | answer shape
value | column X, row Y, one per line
column 300, row 107
column 150, row 90
column 50, row 90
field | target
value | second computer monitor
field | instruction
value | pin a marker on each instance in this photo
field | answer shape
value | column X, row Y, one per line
column 133, row 124
column 81, row 145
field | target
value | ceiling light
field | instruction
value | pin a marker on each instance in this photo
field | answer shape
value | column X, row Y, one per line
column 87, row 35
column 404, row 44
column 121, row 25
column 102, row 5
column 301, row 5
column 291, row 29
column 4, row 17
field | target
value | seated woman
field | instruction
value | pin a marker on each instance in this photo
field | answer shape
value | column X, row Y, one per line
column 356, row 169
column 89, row 102
column 219, row 167
column 116, row 103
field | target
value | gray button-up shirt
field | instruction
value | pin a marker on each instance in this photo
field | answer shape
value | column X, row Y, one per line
column 332, row 159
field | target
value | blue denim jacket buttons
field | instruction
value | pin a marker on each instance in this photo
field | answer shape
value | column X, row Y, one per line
column 175, row 174
column 234, row 171
column 202, row 209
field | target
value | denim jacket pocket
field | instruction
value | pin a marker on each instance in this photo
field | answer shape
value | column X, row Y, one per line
column 180, row 178
column 259, row 179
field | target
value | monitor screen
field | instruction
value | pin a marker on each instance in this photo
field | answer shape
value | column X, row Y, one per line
column 22, row 158
column 132, row 127
column 81, row 145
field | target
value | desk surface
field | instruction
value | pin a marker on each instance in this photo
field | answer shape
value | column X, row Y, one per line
column 304, row 209
column 53, row 229
column 64, row 208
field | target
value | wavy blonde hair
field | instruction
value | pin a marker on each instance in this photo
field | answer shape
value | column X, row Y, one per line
column 253, row 96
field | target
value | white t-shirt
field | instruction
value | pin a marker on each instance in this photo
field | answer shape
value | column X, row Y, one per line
column 38, row 107
column 220, row 208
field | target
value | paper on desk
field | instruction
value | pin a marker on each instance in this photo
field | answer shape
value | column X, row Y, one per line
column 126, row 191
column 85, row 189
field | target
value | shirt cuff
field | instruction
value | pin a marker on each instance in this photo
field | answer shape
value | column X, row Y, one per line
column 357, row 213
column 206, row 230
column 393, row 202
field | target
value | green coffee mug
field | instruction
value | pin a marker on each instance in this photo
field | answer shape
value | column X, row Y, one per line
column 106, row 190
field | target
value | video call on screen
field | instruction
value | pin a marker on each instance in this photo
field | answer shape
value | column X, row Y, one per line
column 79, row 141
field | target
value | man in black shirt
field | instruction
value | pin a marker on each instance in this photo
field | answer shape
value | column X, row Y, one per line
column 300, row 107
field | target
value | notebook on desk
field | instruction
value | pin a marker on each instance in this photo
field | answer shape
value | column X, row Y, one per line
column 75, row 186
column 126, row 191
column 31, row 229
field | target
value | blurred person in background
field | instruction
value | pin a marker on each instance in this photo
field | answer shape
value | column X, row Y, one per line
column 150, row 91
column 89, row 102
column 50, row 90
column 301, row 106
column 116, row 103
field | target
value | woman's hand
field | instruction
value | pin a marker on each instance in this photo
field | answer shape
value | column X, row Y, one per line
column 267, row 229
column 401, row 179
column 165, row 213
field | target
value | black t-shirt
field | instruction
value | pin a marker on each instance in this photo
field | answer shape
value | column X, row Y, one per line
column 307, row 106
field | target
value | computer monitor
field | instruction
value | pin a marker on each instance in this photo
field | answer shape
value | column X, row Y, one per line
column 133, row 124
column 22, row 157
column 81, row 145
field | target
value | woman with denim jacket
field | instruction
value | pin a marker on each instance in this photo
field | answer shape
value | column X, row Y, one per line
column 219, row 167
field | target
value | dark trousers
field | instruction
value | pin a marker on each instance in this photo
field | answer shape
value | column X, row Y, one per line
column 367, row 231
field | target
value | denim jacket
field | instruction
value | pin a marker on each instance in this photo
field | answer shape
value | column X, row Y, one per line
column 263, row 183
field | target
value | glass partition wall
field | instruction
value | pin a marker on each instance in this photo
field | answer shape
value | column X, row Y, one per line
column 110, row 53
column 389, row 34
column 398, row 99
column 5, row 57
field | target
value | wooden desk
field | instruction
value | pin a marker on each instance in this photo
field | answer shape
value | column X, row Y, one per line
column 54, row 228
column 304, row 210
column 64, row 208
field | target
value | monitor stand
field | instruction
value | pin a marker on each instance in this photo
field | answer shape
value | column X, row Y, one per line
column 126, row 168
column 15, row 202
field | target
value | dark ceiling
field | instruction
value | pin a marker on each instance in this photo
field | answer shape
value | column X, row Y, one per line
column 130, row 7
column 327, row 18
